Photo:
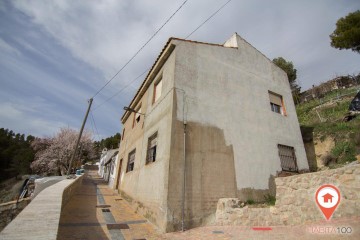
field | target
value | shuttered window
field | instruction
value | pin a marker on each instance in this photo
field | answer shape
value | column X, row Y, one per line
column 131, row 161
column 157, row 90
column 276, row 103
column 137, row 115
column 151, row 150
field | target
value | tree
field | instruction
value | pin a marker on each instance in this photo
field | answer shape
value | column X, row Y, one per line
column 288, row 67
column 54, row 154
column 347, row 32
column 16, row 154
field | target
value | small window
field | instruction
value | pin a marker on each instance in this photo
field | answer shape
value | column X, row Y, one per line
column 123, row 134
column 131, row 161
column 137, row 116
column 287, row 158
column 151, row 149
column 157, row 90
column 276, row 103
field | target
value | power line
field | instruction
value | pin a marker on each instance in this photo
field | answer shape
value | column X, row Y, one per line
column 212, row 15
column 140, row 48
column 122, row 89
column 197, row 28
column 93, row 119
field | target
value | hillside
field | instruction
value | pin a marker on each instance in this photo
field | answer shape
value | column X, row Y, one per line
column 336, row 142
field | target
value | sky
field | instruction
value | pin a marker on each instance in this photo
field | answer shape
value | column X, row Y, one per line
column 55, row 55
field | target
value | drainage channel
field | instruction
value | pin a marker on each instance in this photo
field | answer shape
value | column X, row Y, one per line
column 113, row 227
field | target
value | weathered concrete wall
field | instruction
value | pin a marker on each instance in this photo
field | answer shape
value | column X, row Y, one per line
column 308, row 139
column 70, row 190
column 146, row 186
column 9, row 210
column 205, row 178
column 295, row 200
column 228, row 88
column 232, row 134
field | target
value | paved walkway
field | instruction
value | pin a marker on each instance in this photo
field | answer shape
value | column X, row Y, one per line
column 96, row 212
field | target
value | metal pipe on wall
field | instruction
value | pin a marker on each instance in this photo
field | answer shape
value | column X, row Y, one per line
column 184, row 183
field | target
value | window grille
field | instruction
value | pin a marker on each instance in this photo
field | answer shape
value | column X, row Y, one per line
column 151, row 150
column 287, row 158
column 131, row 161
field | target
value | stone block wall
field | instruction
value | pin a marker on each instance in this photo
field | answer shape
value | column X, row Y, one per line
column 295, row 200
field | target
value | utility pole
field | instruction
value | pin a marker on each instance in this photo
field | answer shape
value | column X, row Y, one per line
column 78, row 140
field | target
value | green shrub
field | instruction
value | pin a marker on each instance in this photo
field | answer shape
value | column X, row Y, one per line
column 250, row 202
column 344, row 152
column 269, row 199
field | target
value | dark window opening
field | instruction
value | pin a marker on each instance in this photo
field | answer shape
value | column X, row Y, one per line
column 151, row 150
column 131, row 161
column 287, row 158
column 275, row 108
column 276, row 103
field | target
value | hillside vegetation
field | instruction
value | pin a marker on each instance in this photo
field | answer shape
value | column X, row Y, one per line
column 326, row 116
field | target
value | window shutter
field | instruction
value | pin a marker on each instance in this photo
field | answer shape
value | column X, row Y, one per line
column 275, row 99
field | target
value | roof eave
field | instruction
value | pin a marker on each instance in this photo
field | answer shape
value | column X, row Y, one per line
column 163, row 56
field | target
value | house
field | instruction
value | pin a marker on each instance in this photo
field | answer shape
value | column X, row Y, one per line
column 328, row 198
column 209, row 121
column 107, row 163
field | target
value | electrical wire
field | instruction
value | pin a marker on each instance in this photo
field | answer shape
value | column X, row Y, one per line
column 122, row 89
column 93, row 119
column 197, row 28
column 212, row 15
column 157, row 31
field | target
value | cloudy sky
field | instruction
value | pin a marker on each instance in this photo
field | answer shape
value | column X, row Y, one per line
column 55, row 55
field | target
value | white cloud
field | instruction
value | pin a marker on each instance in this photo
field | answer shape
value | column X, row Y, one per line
column 4, row 46
column 103, row 35
column 14, row 117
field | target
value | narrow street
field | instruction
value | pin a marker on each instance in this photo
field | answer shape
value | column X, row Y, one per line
column 96, row 212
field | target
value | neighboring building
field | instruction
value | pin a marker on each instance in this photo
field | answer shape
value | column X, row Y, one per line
column 341, row 82
column 107, row 163
column 112, row 170
column 227, row 110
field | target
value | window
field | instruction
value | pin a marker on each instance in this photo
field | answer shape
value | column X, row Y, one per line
column 151, row 149
column 157, row 90
column 123, row 134
column 131, row 161
column 112, row 166
column 276, row 103
column 137, row 116
column 287, row 158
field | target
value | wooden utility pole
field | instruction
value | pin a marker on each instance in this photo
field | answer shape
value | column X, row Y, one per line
column 80, row 133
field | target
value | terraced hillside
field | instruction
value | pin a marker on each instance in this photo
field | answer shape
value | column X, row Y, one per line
column 336, row 142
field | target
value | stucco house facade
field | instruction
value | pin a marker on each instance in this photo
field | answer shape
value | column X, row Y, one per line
column 209, row 121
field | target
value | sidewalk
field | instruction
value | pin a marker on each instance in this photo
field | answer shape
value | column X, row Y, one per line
column 96, row 212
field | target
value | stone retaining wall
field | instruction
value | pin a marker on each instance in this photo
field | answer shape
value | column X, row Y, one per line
column 295, row 200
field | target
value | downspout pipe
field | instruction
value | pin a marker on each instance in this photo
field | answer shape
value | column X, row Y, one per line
column 184, row 183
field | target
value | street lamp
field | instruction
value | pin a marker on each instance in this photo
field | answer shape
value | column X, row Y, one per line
column 133, row 110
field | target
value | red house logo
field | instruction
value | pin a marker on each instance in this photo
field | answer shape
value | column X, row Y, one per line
column 328, row 197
